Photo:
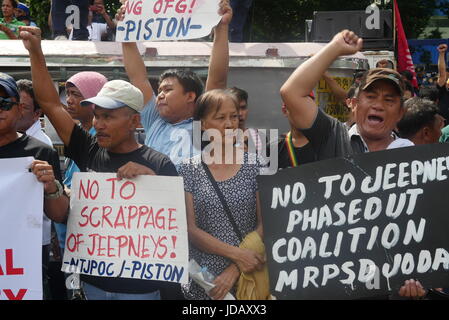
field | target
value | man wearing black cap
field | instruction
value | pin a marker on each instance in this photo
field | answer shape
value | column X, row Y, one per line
column 45, row 166
column 114, row 149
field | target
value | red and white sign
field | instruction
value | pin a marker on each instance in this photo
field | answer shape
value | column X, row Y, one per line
column 128, row 229
column 20, row 231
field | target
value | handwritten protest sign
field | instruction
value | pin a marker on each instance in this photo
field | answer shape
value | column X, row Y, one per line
column 358, row 227
column 20, row 231
column 156, row 20
column 128, row 229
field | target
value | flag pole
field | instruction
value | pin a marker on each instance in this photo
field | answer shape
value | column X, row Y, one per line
column 394, row 35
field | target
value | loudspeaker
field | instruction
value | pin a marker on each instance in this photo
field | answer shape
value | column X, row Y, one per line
column 378, row 37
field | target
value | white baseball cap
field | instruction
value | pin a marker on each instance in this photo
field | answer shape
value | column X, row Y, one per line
column 116, row 94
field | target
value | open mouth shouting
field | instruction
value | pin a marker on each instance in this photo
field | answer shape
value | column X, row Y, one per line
column 375, row 119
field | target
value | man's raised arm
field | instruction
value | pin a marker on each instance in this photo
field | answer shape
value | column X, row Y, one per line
column 217, row 76
column 442, row 78
column 45, row 93
column 296, row 90
column 134, row 65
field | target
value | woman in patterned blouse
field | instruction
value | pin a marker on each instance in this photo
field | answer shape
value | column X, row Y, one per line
column 213, row 240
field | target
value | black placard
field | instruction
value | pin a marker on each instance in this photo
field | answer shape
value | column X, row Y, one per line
column 380, row 219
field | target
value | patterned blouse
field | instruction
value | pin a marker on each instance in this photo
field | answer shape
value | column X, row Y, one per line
column 240, row 194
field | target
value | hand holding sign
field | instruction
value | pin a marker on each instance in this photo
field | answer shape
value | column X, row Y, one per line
column 167, row 20
column 131, row 170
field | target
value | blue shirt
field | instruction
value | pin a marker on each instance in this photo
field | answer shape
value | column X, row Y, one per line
column 173, row 140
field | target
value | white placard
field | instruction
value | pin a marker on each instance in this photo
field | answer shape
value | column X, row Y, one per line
column 20, row 231
column 157, row 20
column 129, row 228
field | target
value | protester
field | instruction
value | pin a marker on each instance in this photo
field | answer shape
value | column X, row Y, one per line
column 409, row 92
column 213, row 237
column 100, row 23
column 167, row 116
column 379, row 106
column 81, row 86
column 421, row 122
column 350, row 103
column 443, row 82
column 114, row 149
column 30, row 122
column 45, row 166
column 252, row 138
column 22, row 13
column 241, row 9
column 9, row 25
column 429, row 93
column 385, row 63
column 60, row 13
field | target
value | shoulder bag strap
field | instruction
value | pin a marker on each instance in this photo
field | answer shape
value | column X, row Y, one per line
column 223, row 201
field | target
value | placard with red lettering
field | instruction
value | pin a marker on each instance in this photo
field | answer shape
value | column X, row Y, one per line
column 129, row 228
column 20, row 231
column 156, row 20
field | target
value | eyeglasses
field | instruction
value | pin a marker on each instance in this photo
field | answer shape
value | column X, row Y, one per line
column 6, row 104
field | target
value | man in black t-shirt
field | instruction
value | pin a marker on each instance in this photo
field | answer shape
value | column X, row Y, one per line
column 378, row 108
column 18, row 145
column 113, row 149
column 45, row 166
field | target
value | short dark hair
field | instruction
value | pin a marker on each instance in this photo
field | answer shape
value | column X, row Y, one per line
column 27, row 86
column 407, row 74
column 14, row 3
column 391, row 64
column 188, row 79
column 408, row 86
column 211, row 100
column 240, row 94
column 418, row 114
column 358, row 75
column 429, row 93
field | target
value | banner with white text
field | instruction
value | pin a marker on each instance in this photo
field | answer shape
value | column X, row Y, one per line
column 358, row 227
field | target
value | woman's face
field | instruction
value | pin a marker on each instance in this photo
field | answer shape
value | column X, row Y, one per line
column 7, row 9
column 224, row 119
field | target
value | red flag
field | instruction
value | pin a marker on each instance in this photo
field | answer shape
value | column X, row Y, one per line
column 405, row 61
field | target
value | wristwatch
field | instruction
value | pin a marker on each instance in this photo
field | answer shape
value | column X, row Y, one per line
column 59, row 191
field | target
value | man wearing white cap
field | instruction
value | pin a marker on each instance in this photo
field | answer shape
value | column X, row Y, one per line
column 114, row 149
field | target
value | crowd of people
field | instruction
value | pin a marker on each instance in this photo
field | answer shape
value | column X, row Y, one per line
column 95, row 22
column 98, row 122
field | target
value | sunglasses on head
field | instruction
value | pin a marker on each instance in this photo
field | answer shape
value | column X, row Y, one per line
column 6, row 104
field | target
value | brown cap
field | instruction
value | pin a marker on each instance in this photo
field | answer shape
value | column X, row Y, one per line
column 382, row 74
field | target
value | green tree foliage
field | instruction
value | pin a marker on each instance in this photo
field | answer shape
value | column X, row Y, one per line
column 39, row 12
column 284, row 20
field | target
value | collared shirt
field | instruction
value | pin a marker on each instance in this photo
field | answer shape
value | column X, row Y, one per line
column 13, row 26
column 36, row 131
column 359, row 145
column 173, row 140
